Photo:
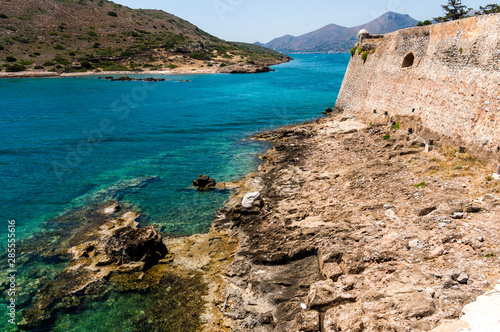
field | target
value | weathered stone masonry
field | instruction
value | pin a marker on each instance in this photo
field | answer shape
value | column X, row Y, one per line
column 452, row 83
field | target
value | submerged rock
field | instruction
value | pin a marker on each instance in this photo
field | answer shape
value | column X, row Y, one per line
column 107, row 242
column 204, row 181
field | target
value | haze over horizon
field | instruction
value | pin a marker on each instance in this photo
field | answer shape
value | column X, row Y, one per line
column 262, row 21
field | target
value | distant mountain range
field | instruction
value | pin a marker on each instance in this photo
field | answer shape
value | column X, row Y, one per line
column 338, row 39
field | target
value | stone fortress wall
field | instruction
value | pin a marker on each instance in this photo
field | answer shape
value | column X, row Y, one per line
column 447, row 74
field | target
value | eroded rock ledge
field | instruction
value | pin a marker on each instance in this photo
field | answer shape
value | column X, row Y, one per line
column 358, row 228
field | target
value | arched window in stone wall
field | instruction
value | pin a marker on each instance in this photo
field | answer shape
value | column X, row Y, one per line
column 408, row 60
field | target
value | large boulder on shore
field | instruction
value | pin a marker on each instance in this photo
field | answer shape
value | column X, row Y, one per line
column 130, row 244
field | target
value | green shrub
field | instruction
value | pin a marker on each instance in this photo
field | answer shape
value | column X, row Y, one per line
column 26, row 62
column 461, row 50
column 61, row 60
column 128, row 52
column 96, row 45
column 387, row 137
column 3, row 16
column 116, row 67
column 85, row 64
column 353, row 50
column 364, row 56
column 420, row 185
column 2, row 47
column 48, row 64
column 92, row 33
column 59, row 47
column 112, row 26
column 64, row 35
column 10, row 59
column 38, row 67
column 172, row 66
column 71, row 53
column 53, row 33
column 200, row 56
column 15, row 68
column 113, row 14
column 396, row 126
column 426, row 22
column 21, row 40
column 360, row 50
column 106, row 63
column 10, row 28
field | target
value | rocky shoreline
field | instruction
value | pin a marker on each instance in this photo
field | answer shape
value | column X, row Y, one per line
column 350, row 224
column 357, row 226
column 231, row 69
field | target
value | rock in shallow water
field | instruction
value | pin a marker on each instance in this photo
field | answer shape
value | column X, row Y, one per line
column 136, row 245
column 204, row 181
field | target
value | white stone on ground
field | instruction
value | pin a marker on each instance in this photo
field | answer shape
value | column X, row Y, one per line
column 249, row 199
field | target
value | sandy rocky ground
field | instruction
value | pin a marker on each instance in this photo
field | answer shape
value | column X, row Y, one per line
column 353, row 232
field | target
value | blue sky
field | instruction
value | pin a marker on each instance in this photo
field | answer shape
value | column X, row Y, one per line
column 263, row 20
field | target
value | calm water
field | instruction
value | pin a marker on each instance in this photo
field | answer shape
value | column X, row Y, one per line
column 68, row 142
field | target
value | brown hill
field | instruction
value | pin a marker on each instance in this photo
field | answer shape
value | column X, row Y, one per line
column 80, row 35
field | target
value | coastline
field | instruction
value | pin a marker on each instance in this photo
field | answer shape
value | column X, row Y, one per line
column 41, row 74
column 352, row 231
column 233, row 68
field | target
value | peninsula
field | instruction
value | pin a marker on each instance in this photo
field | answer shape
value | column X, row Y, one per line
column 79, row 37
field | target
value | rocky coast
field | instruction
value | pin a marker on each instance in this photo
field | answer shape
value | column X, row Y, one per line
column 230, row 69
column 353, row 224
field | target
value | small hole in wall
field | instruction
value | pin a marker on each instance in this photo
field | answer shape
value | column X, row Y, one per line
column 408, row 60
column 413, row 110
column 498, row 149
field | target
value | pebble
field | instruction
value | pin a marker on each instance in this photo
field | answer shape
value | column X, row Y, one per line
column 442, row 224
column 457, row 215
column 480, row 239
column 463, row 278
column 303, row 306
column 413, row 243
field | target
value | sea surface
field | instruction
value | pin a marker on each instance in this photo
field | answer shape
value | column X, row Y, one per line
column 68, row 142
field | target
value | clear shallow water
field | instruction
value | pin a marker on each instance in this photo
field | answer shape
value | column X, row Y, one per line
column 67, row 142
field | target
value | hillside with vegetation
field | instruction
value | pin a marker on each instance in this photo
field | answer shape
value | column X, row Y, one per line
column 87, row 35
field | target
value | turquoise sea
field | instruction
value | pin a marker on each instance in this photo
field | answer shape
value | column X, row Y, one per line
column 67, row 142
